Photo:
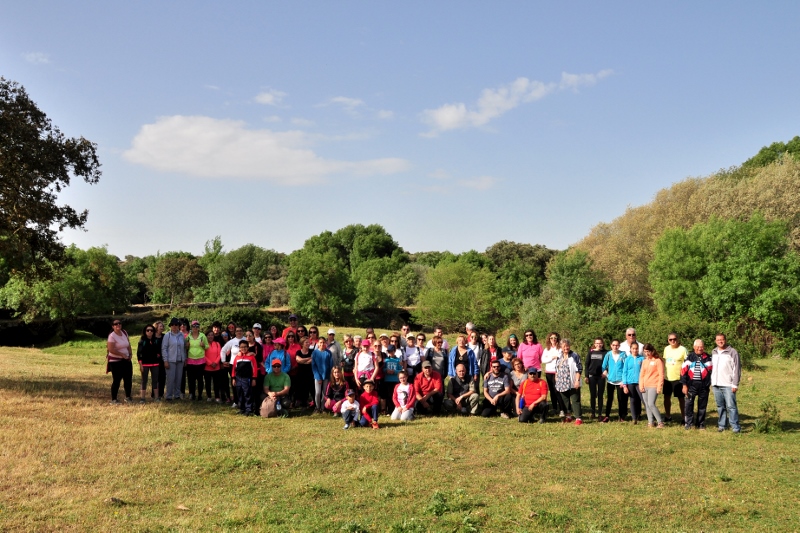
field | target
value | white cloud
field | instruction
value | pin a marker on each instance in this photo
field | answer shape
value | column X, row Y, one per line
column 481, row 183
column 303, row 122
column 385, row 114
column 211, row 87
column 37, row 58
column 272, row 118
column 348, row 103
column 496, row 102
column 222, row 149
column 440, row 174
column 270, row 97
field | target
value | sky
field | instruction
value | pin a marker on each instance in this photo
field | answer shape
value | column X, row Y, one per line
column 454, row 125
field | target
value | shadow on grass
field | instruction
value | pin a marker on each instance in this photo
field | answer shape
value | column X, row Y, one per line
column 58, row 387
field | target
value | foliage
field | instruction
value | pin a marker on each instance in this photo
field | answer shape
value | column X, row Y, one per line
column 233, row 276
column 773, row 152
column 319, row 284
column 770, row 419
column 455, row 293
column 87, row 282
column 729, row 270
column 176, row 277
column 36, row 163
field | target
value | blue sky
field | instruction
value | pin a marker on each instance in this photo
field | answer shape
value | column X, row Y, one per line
column 452, row 124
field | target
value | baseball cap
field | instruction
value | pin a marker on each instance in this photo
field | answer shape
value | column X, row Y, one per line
column 256, row 325
column 426, row 364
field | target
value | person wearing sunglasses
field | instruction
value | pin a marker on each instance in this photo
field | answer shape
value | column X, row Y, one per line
column 173, row 351
column 196, row 360
column 674, row 356
column 148, row 354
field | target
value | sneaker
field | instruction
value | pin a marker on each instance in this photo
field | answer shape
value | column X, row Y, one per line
column 142, row 401
column 568, row 419
column 114, row 402
column 128, row 400
column 737, row 430
column 687, row 426
column 346, row 426
column 702, row 428
column 233, row 405
column 210, row 399
column 720, row 430
column 333, row 414
column 621, row 419
column 649, row 424
column 578, row 421
column 561, row 414
column 217, row 400
column 504, row 415
column 159, row 399
column 660, row 426
column 375, row 425
column 604, row 420
column 541, row 420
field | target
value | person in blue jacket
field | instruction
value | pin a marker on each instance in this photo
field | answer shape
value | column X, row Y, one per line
column 462, row 354
column 613, row 365
column 630, row 381
column 321, row 364
column 279, row 352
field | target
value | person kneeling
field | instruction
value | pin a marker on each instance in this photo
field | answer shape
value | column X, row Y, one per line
column 497, row 393
column 370, row 405
column 532, row 397
column 276, row 386
column 429, row 388
column 461, row 394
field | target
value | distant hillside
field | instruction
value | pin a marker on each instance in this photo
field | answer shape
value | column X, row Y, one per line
column 768, row 182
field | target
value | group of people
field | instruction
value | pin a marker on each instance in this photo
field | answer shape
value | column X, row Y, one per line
column 403, row 374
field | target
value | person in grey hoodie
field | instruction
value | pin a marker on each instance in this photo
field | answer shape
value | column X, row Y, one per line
column 173, row 351
column 725, row 376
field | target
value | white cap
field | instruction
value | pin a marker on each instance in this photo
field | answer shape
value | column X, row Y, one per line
column 256, row 325
column 331, row 331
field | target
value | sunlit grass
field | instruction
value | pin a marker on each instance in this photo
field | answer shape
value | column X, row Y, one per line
column 70, row 461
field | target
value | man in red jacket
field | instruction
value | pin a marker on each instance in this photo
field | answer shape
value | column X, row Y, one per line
column 429, row 389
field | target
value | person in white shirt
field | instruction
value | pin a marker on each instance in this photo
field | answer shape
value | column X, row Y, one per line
column 630, row 336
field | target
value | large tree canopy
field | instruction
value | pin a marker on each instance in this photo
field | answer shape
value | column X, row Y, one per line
column 36, row 162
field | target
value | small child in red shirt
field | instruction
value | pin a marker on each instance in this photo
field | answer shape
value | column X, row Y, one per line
column 244, row 372
column 369, row 403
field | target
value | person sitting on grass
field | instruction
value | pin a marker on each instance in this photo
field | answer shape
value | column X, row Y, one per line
column 532, row 397
column 369, row 404
column 277, row 385
column 243, row 374
column 429, row 390
column 350, row 409
column 404, row 397
column 461, row 394
column 497, row 393
column 335, row 391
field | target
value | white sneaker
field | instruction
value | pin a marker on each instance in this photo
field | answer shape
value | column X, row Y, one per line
column 561, row 414
column 504, row 415
column 346, row 426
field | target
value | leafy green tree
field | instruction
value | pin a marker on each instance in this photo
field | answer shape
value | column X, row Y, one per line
column 319, row 283
column 36, row 163
column 232, row 275
column 431, row 259
column 455, row 293
column 520, row 270
column 729, row 269
column 177, row 277
column 87, row 283
column 773, row 152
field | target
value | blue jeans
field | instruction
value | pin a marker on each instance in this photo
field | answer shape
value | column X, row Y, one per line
column 726, row 407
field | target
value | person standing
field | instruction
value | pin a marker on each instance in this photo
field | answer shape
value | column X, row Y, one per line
column 321, row 364
column 696, row 380
column 614, row 371
column 119, row 361
column 651, row 380
column 196, row 360
column 158, row 336
column 674, row 355
column 630, row 381
column 530, row 351
column 630, row 338
column 148, row 355
column 438, row 334
column 593, row 372
column 550, row 357
column 725, row 376
column 568, row 380
column 335, row 348
column 173, row 351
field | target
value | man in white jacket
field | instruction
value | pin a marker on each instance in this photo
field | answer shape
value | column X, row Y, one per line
column 725, row 376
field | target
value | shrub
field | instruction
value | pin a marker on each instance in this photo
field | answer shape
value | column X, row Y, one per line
column 770, row 419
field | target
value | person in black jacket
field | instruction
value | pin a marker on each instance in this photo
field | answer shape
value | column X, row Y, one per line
column 148, row 353
column 593, row 374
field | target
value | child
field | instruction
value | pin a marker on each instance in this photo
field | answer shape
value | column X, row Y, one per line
column 404, row 397
column 335, row 392
column 369, row 403
column 321, row 363
column 350, row 409
column 365, row 364
column 243, row 373
column 651, row 381
column 630, row 381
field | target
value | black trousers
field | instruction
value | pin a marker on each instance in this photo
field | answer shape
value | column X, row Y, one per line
column 435, row 404
column 503, row 404
column 596, row 386
column 162, row 379
column 558, row 403
column 539, row 410
column 121, row 371
column 622, row 400
column 701, row 393
column 195, row 375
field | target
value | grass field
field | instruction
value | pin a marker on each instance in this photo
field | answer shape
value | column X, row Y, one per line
column 71, row 461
